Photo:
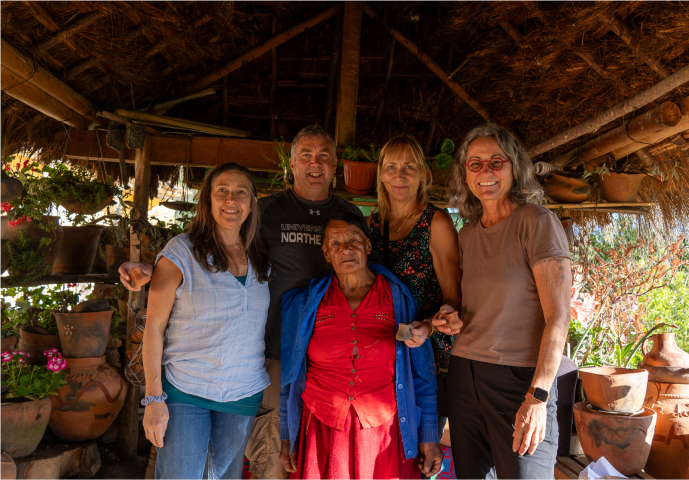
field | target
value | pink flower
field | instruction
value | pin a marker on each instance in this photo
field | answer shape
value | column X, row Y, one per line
column 582, row 311
column 19, row 164
column 21, row 360
column 19, row 352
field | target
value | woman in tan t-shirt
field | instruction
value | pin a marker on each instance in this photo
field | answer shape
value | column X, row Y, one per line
column 515, row 279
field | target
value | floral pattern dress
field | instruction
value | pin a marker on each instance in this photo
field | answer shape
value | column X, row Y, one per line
column 412, row 262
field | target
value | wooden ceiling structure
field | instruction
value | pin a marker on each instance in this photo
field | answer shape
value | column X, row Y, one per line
column 218, row 81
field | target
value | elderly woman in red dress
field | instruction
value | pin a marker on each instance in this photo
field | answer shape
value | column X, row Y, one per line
column 355, row 402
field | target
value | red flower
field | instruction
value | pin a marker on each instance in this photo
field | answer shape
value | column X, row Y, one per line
column 26, row 162
column 12, row 223
column 7, row 167
column 19, row 164
column 5, row 206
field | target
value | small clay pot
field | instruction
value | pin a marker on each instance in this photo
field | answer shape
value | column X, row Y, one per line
column 138, row 277
column 666, row 374
column 74, row 206
column 115, row 257
column 8, row 468
column 84, row 335
column 625, row 441
column 78, row 250
column 360, row 177
column 567, row 187
column 23, row 425
column 33, row 341
column 620, row 187
column 86, row 407
column 614, row 389
column 8, row 343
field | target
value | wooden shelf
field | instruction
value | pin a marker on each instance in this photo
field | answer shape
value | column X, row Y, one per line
column 14, row 281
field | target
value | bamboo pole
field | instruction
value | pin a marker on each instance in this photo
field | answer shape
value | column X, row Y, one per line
column 348, row 91
column 149, row 119
column 435, row 68
column 637, row 101
column 77, row 69
column 31, row 95
column 665, row 115
column 261, row 49
column 27, row 69
column 68, row 31
column 165, row 106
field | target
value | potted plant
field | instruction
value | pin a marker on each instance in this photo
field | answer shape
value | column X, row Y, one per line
column 78, row 191
column 286, row 176
column 618, row 182
column 33, row 237
column 360, row 169
column 26, row 406
column 84, row 328
column 10, row 326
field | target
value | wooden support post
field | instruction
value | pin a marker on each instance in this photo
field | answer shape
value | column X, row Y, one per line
column 129, row 426
column 430, row 63
column 332, row 73
column 345, row 123
column 637, row 101
column 273, row 81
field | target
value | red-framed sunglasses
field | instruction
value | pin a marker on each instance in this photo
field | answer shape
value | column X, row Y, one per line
column 494, row 163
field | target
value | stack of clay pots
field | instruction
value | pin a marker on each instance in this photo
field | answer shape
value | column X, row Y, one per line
column 95, row 391
column 613, row 423
column 668, row 396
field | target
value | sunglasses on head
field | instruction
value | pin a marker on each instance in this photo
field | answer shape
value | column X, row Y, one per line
column 494, row 163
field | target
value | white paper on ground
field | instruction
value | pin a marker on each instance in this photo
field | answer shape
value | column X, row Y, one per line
column 601, row 468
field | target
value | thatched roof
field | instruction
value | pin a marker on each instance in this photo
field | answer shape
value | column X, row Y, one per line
column 537, row 68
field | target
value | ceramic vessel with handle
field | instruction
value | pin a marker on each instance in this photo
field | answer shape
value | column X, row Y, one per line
column 665, row 352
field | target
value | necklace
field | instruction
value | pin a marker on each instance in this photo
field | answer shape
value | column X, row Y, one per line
column 403, row 222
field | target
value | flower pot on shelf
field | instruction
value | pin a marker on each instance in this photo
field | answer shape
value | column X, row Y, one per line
column 360, row 177
column 620, row 187
column 34, row 233
column 624, row 440
column 78, row 250
column 567, row 187
column 84, row 335
column 669, row 457
column 35, row 340
column 115, row 256
column 8, row 343
column 88, row 405
column 23, row 425
column 74, row 206
column 614, row 389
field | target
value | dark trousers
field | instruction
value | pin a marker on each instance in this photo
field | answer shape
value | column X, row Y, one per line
column 483, row 399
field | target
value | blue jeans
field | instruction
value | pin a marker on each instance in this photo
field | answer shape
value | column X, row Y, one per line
column 202, row 443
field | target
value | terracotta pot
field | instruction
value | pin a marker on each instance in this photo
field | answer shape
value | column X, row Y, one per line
column 625, row 441
column 33, row 342
column 8, row 343
column 666, row 374
column 84, row 335
column 10, row 189
column 8, row 468
column 78, row 250
column 615, row 389
column 669, row 456
column 34, row 234
column 74, row 206
column 115, row 257
column 665, row 352
column 567, row 187
column 23, row 425
column 360, row 177
column 86, row 407
column 139, row 278
column 620, row 187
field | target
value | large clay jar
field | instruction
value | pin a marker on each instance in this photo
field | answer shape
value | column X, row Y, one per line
column 624, row 440
column 84, row 335
column 78, row 250
column 34, row 342
column 23, row 425
column 665, row 352
column 34, row 233
column 615, row 389
column 86, row 407
column 669, row 456
column 8, row 343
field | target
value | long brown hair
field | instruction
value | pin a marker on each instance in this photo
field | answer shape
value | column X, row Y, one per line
column 204, row 236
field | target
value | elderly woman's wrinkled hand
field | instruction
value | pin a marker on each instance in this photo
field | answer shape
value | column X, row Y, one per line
column 289, row 461
column 430, row 458
column 529, row 426
column 155, row 421
column 419, row 334
column 440, row 322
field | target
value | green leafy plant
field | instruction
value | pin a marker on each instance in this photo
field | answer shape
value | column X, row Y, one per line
column 11, row 321
column 351, row 154
column 283, row 160
column 38, row 195
column 26, row 259
column 444, row 159
column 372, row 154
column 37, row 306
column 32, row 382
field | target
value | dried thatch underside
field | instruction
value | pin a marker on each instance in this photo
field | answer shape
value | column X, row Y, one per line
column 535, row 81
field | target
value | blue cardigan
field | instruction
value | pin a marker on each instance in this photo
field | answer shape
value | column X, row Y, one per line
column 414, row 369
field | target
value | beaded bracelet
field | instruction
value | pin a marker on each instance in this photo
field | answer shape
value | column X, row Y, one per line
column 154, row 398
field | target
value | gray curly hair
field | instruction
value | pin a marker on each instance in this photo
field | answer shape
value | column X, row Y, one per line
column 525, row 188
column 312, row 131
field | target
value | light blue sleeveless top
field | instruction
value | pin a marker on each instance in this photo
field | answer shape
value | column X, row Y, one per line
column 214, row 345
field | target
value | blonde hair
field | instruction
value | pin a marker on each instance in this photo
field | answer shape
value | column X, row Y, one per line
column 525, row 188
column 394, row 148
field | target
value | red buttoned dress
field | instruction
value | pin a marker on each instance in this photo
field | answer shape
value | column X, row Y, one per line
column 349, row 426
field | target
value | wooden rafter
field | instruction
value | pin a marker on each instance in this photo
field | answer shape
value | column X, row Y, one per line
column 44, row 19
column 68, row 31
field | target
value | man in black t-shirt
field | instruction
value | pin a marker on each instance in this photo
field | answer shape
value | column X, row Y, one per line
column 292, row 224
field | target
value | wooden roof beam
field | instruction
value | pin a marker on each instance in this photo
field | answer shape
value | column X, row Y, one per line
column 259, row 50
column 68, row 31
column 627, row 37
column 634, row 103
column 430, row 63
column 44, row 19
